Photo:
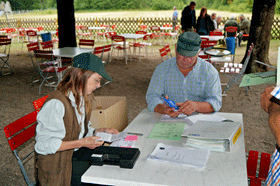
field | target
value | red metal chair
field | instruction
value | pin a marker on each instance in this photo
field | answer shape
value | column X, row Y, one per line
column 119, row 43
column 205, row 43
column 32, row 36
column 156, row 31
column 38, row 103
column 143, row 27
column 19, row 132
column 47, row 45
column 45, row 58
column 216, row 33
column 102, row 34
column 86, row 43
column 101, row 50
column 144, row 44
column 231, row 29
column 165, row 53
column 257, row 177
column 140, row 32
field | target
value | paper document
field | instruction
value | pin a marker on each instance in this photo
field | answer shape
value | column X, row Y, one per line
column 205, row 117
column 182, row 155
column 167, row 131
column 122, row 143
column 258, row 78
column 111, row 137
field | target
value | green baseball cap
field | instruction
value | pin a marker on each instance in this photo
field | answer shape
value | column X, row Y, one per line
column 89, row 61
column 188, row 44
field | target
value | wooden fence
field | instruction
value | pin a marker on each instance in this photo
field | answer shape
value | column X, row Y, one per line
column 123, row 25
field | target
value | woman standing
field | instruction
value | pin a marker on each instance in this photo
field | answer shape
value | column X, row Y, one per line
column 63, row 122
column 204, row 23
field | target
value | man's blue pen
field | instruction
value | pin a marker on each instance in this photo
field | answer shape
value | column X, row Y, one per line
column 171, row 103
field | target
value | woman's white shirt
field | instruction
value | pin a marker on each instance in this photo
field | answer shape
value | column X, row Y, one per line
column 51, row 129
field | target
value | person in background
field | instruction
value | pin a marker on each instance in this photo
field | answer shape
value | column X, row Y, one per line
column 188, row 18
column 214, row 19
column 219, row 26
column 174, row 17
column 64, row 130
column 204, row 23
column 191, row 82
column 244, row 28
column 231, row 22
column 273, row 110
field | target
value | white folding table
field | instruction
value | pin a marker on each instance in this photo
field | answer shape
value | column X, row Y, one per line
column 222, row 168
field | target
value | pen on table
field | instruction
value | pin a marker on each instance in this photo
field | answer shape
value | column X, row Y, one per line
column 134, row 133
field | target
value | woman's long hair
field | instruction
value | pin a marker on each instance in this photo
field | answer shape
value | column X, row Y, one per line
column 75, row 80
column 203, row 9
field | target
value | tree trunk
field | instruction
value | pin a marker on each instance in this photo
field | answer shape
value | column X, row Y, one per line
column 260, row 34
column 66, row 23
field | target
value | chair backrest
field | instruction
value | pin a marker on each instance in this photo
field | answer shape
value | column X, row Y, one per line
column 140, row 32
column 216, row 33
column 143, row 27
column 43, row 54
column 47, row 45
column 106, row 26
column 177, row 27
column 118, row 38
column 37, row 104
column 164, row 53
column 147, row 37
column 86, row 42
column 19, row 132
column 155, row 28
column 40, row 28
column 231, row 29
column 167, row 25
column 7, row 43
column 205, row 43
column 33, row 46
column 31, row 33
column 113, row 27
column 102, row 49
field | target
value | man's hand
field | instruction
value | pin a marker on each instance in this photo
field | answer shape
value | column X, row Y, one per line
column 164, row 109
column 187, row 107
column 265, row 98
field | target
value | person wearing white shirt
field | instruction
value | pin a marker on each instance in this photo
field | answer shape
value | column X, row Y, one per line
column 63, row 128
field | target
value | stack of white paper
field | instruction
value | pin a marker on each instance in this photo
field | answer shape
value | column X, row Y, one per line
column 213, row 135
column 111, row 137
column 192, row 157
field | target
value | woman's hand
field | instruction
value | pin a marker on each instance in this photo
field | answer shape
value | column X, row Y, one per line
column 91, row 142
column 107, row 130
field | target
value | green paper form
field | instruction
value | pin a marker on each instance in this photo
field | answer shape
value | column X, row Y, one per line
column 167, row 131
column 258, row 78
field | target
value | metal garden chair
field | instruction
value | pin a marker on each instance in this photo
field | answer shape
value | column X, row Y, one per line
column 165, row 53
column 19, row 132
column 235, row 76
column 5, row 45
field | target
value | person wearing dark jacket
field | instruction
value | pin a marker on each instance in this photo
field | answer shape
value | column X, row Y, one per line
column 188, row 19
column 204, row 23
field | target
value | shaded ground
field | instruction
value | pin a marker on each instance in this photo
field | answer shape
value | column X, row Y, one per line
column 131, row 81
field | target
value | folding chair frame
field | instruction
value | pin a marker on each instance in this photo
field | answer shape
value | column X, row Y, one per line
column 238, row 77
column 4, row 57
column 19, row 132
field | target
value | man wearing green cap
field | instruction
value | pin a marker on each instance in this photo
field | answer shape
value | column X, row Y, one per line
column 64, row 124
column 191, row 82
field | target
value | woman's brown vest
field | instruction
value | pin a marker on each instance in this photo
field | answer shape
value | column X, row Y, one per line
column 56, row 169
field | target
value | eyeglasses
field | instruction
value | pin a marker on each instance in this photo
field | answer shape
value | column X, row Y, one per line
column 102, row 82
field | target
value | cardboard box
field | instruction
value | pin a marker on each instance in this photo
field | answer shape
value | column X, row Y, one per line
column 109, row 112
